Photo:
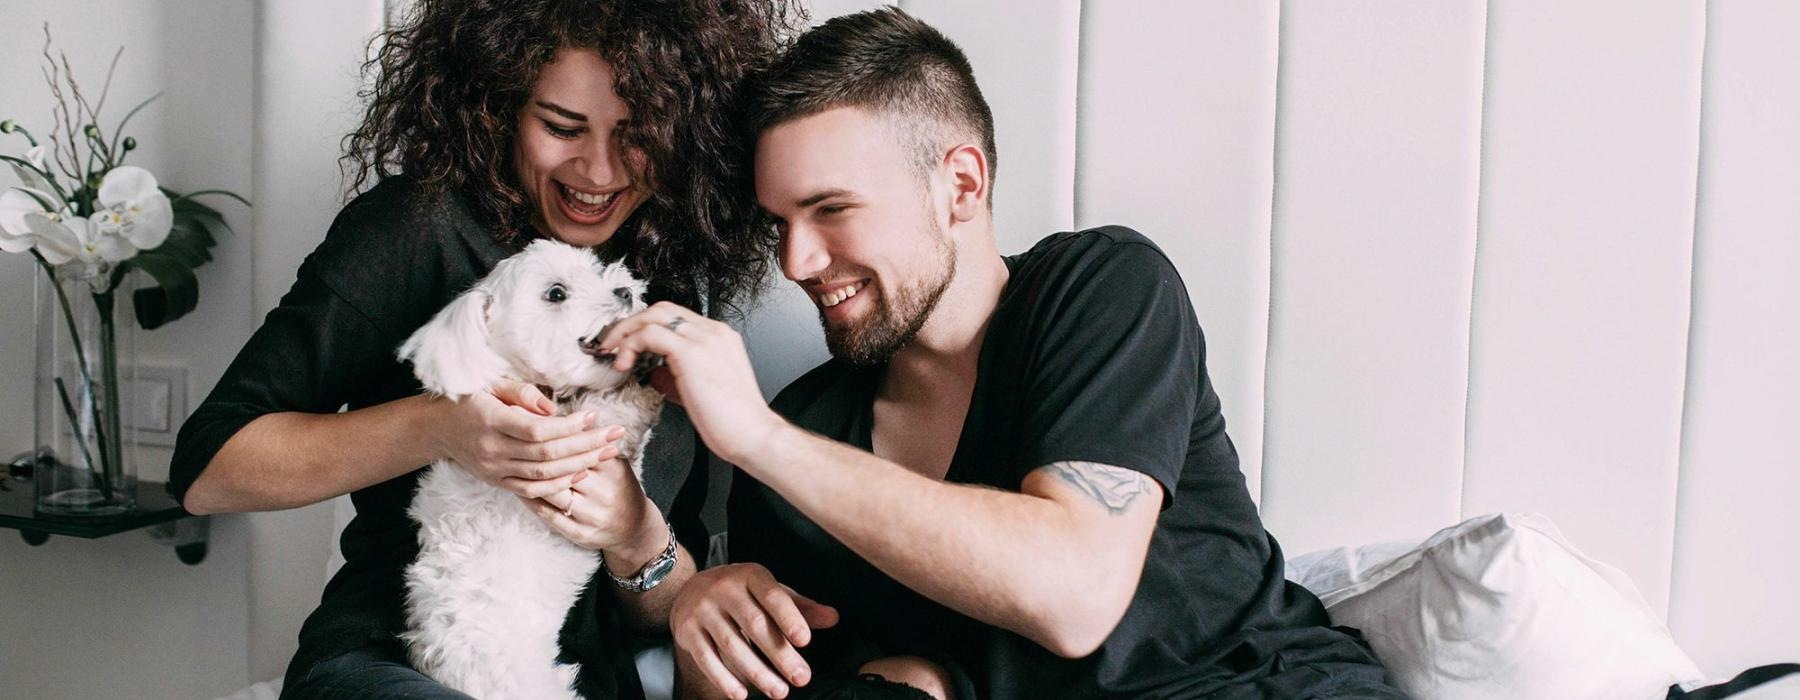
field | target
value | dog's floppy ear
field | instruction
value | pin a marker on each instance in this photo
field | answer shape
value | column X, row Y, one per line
column 453, row 354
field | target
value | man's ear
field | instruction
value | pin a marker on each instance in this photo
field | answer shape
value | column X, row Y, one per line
column 453, row 354
column 967, row 167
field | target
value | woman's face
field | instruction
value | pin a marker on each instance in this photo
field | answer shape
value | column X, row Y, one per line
column 581, row 183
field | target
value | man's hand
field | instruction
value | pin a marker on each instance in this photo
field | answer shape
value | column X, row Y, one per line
column 708, row 373
column 735, row 625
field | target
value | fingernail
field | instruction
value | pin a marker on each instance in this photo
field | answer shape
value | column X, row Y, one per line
column 615, row 432
column 589, row 419
column 579, row 476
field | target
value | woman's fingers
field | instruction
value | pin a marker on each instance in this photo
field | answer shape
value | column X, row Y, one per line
column 523, row 425
column 588, row 440
column 526, row 396
column 540, row 488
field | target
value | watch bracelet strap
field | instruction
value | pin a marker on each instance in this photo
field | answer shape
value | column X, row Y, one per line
column 635, row 584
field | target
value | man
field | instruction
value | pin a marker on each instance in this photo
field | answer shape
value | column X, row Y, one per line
column 1013, row 479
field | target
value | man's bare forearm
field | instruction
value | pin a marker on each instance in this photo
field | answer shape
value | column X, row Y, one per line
column 292, row 459
column 1014, row 560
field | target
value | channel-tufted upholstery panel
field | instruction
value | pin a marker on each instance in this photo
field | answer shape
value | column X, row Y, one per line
column 1451, row 256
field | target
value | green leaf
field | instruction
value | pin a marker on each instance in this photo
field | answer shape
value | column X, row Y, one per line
column 187, row 244
column 189, row 196
column 177, row 291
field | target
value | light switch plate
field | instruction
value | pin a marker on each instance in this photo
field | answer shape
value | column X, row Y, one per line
column 161, row 398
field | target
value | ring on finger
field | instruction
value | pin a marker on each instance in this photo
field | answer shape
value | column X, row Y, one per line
column 569, row 510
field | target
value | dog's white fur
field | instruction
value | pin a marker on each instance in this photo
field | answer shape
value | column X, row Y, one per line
column 493, row 584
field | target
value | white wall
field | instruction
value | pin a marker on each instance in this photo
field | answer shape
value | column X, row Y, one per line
column 120, row 617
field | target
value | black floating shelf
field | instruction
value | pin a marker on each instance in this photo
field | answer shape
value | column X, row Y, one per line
column 154, row 506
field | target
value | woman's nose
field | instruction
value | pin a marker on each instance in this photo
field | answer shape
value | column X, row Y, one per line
column 602, row 162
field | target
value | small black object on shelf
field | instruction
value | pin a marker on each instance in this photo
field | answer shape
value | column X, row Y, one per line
column 154, row 507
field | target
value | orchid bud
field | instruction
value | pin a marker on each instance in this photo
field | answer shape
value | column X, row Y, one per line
column 8, row 126
column 93, row 132
column 130, row 143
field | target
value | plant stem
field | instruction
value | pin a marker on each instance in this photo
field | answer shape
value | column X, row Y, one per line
column 81, row 440
column 113, row 440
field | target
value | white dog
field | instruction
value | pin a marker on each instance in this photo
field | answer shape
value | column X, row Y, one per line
column 492, row 585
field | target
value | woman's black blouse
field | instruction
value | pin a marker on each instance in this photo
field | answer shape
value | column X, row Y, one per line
column 394, row 257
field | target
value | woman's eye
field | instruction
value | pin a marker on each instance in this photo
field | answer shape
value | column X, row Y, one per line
column 560, row 132
column 556, row 294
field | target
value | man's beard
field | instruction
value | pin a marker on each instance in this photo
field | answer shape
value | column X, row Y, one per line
column 894, row 320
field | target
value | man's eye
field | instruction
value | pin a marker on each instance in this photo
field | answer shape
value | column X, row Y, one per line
column 833, row 209
column 556, row 294
column 560, row 132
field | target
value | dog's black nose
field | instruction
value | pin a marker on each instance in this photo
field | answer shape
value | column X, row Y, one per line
column 623, row 293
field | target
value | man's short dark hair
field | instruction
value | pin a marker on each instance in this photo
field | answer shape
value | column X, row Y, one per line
column 887, row 62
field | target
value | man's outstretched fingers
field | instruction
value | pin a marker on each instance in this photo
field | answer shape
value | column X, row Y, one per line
column 782, row 605
column 706, row 655
column 744, row 662
column 817, row 615
column 761, row 628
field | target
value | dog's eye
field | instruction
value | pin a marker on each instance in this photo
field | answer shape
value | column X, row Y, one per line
column 556, row 294
column 623, row 293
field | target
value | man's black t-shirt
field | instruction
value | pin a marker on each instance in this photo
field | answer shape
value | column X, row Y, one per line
column 1093, row 354
column 393, row 257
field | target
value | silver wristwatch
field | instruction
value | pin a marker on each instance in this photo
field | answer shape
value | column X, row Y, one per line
column 653, row 572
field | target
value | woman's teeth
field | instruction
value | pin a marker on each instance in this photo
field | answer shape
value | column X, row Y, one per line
column 596, row 201
column 834, row 298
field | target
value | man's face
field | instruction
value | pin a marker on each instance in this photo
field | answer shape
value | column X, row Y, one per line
column 861, row 233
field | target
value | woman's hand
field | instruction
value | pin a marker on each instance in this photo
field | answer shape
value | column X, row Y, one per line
column 507, row 437
column 735, row 625
column 608, row 512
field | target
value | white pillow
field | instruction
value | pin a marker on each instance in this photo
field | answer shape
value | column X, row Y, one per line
column 1500, row 606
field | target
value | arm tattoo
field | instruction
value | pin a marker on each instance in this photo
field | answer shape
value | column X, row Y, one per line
column 1115, row 488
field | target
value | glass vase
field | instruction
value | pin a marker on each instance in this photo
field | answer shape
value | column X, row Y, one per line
column 87, row 461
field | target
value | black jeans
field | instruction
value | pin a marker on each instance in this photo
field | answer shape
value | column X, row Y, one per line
column 375, row 672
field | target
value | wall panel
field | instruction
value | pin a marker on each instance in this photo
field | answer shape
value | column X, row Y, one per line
column 1377, row 142
column 1581, row 285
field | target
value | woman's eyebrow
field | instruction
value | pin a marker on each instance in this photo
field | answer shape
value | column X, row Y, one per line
column 564, row 112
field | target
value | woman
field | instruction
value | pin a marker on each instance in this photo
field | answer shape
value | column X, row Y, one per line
column 604, row 124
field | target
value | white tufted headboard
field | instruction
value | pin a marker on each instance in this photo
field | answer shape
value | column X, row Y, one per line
column 1451, row 256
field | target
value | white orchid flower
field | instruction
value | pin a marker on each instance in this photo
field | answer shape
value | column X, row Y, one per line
column 34, row 195
column 61, row 239
column 132, row 208
column 15, row 235
column 34, row 180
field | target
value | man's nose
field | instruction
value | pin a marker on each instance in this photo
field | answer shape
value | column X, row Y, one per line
column 802, row 254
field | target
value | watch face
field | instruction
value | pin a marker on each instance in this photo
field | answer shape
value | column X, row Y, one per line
column 657, row 573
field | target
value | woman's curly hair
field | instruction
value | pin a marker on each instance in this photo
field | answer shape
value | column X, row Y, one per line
column 450, row 80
